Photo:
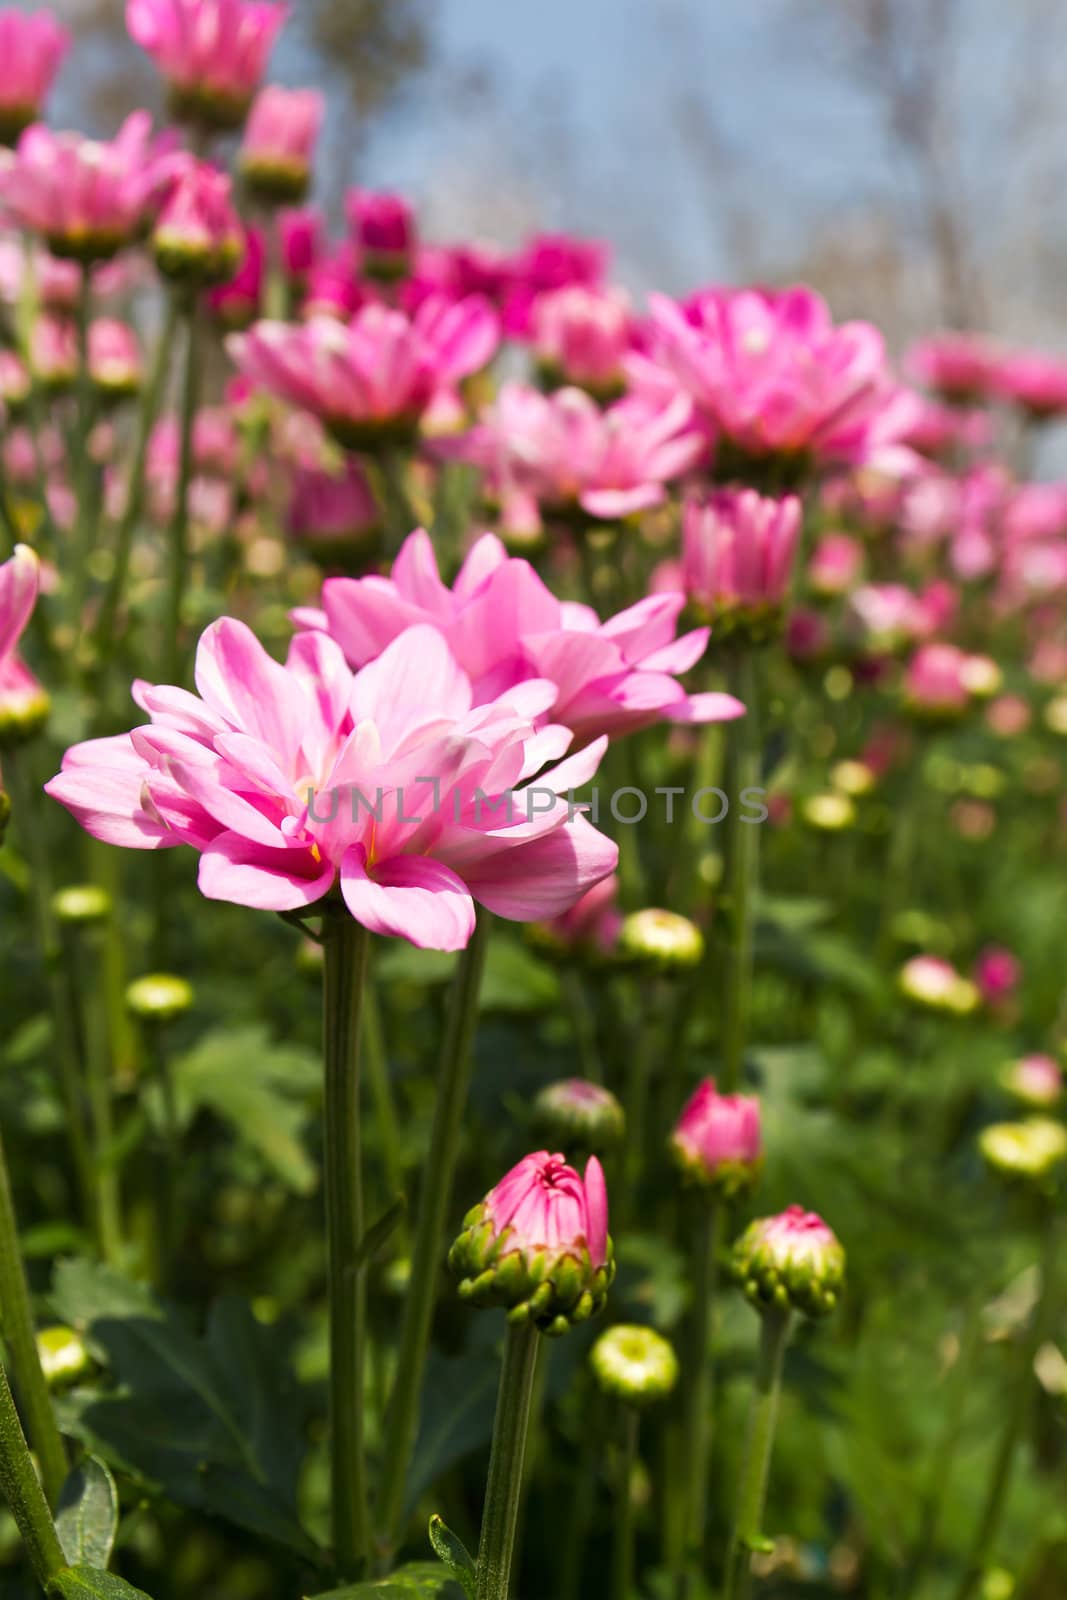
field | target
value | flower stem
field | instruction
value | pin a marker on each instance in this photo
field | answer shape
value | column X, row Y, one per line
column 23, row 1493
column 151, row 400
column 82, row 463
column 774, row 1335
column 179, row 522
column 622, row 1570
column 381, row 1093
column 700, row 1396
column 453, row 1080
column 16, row 1323
column 345, row 945
column 1019, row 1412
column 85, row 964
column 742, row 870
column 62, row 999
column 504, row 1487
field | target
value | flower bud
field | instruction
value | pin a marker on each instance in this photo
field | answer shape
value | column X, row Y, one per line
column 578, row 1114
column 661, row 939
column 934, row 984
column 114, row 359
column 63, row 1356
column 159, row 997
column 81, row 905
column 637, row 1365
column 854, row 778
column 792, row 1262
column 198, row 239
column 935, row 683
column 1034, row 1080
column 279, row 143
column 717, row 1141
column 737, row 559
column 538, row 1245
column 383, row 226
column 828, row 813
column 1030, row 1151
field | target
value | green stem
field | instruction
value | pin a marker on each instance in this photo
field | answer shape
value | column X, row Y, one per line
column 167, row 1178
column 179, row 522
column 742, row 871
column 85, row 964
column 622, row 1569
column 82, row 460
column 16, row 1321
column 583, row 1498
column 1019, row 1413
column 774, row 1335
column 24, row 1494
column 381, row 1092
column 346, row 945
column 453, row 1080
column 151, row 401
column 700, row 1392
column 62, row 1003
column 504, row 1487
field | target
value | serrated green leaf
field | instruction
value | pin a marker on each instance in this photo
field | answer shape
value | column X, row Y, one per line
column 88, row 1514
column 86, row 1583
column 452, row 1553
column 216, row 1423
column 261, row 1089
column 422, row 1580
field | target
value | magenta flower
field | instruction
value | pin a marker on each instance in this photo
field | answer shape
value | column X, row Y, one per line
column 835, row 564
column 333, row 513
column 373, row 380
column 561, row 454
column 383, row 228
column 504, row 627
column 23, row 703
column 959, row 366
column 549, row 261
column 300, row 232
column 87, row 198
column 198, row 237
column 213, row 53
column 32, row 49
column 279, row 142
column 581, row 336
column 717, row 1139
column 737, row 553
column 335, row 288
column 778, row 382
column 1036, row 383
column 238, row 301
column 998, row 973
column 936, row 681
column 538, row 1244
column 291, row 781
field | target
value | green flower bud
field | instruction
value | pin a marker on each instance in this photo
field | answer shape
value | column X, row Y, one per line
column 792, row 1262
column 635, row 1364
column 576, row 1113
column 1030, row 1151
column 159, row 997
column 63, row 1356
column 81, row 905
column 662, row 940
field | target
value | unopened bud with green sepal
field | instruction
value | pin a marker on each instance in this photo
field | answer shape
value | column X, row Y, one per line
column 791, row 1262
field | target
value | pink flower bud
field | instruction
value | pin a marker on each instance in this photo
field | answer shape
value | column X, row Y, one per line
column 24, row 704
column 538, row 1244
column 717, row 1139
column 279, row 143
column 737, row 555
column 335, row 515
column 236, row 302
column 383, row 226
column 198, row 238
column 580, row 336
column 835, row 565
column 1035, row 1080
column 998, row 974
column 935, row 683
column 791, row 1262
column 32, row 49
column 114, row 358
column 300, row 233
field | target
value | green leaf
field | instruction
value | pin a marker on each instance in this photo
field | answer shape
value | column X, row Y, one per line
column 452, row 1553
column 88, row 1514
column 86, row 1583
column 423, row 1580
column 261, row 1089
column 215, row 1422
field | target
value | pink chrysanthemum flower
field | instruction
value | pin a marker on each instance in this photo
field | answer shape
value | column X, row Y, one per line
column 562, row 455
column 785, row 390
column 23, row 703
column 279, row 142
column 87, row 198
column 505, row 627
column 737, row 554
column 212, row 53
column 389, row 785
column 371, row 381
